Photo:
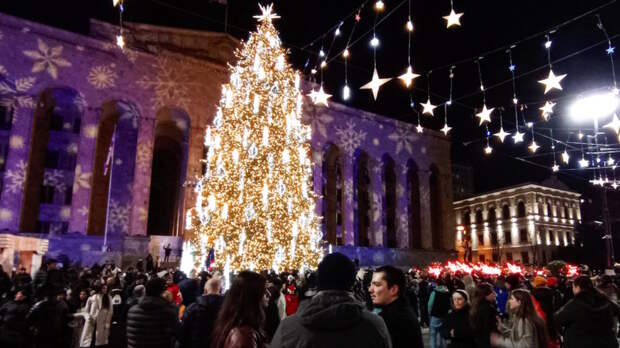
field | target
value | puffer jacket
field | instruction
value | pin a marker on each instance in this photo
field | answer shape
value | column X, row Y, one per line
column 332, row 319
column 588, row 321
column 198, row 321
column 151, row 323
column 13, row 328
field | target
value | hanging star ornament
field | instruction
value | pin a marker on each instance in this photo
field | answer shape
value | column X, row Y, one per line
column 375, row 83
column 614, row 124
column 565, row 157
column 313, row 95
column 408, row 76
column 419, row 128
column 267, row 15
column 485, row 114
column 501, row 134
column 428, row 107
column 583, row 163
column 518, row 137
column 552, row 81
column 321, row 97
column 555, row 168
column 445, row 129
column 547, row 110
column 453, row 19
column 533, row 146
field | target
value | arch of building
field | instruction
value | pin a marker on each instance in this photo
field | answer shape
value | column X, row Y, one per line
column 362, row 186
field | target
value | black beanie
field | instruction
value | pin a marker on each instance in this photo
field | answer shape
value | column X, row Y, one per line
column 336, row 272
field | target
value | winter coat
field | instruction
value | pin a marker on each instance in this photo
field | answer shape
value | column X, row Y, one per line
column 588, row 321
column 151, row 323
column 13, row 328
column 402, row 324
column 544, row 296
column 458, row 320
column 48, row 321
column 199, row 320
column 190, row 290
column 244, row 337
column 439, row 302
column 21, row 280
column 332, row 319
column 97, row 320
column 522, row 334
column 484, row 321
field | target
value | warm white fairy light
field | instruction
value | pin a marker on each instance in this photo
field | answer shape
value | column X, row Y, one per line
column 565, row 157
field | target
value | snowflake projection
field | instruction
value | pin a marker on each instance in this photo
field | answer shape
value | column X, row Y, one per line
column 81, row 180
column 15, row 177
column 402, row 138
column 348, row 190
column 377, row 169
column 102, row 76
column 144, row 155
column 318, row 121
column 65, row 213
column 48, row 59
column 317, row 157
column 376, row 207
column 1, row 35
column 80, row 102
column 403, row 224
column 83, row 210
column 55, row 179
column 6, row 214
column 17, row 93
column 367, row 116
column 142, row 214
column 170, row 85
column 132, row 55
column 55, row 228
column 129, row 111
column 400, row 190
column 3, row 71
column 119, row 216
column 348, row 138
column 90, row 131
column 72, row 148
column 16, row 142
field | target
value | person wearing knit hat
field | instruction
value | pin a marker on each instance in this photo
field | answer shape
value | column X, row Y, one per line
column 463, row 293
column 456, row 328
column 539, row 281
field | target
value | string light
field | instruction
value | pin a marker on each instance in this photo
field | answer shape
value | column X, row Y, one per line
column 375, row 84
column 555, row 166
column 533, row 146
column 552, row 81
column 120, row 40
column 485, row 114
column 501, row 134
column 447, row 128
column 409, row 75
column 453, row 19
column 488, row 149
column 379, row 6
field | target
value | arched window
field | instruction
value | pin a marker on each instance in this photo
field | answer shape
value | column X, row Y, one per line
column 6, row 123
column 479, row 218
column 549, row 210
column 436, row 203
column 492, row 217
column 466, row 218
column 362, row 209
column 565, row 212
column 389, row 180
column 521, row 209
column 332, row 193
column 413, row 189
column 505, row 212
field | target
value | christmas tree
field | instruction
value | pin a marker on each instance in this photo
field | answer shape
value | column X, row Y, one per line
column 255, row 205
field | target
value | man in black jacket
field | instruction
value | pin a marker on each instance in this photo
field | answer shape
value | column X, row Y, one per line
column 387, row 290
column 153, row 321
column 48, row 319
column 199, row 317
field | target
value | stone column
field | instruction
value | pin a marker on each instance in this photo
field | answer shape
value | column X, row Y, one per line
column 377, row 215
column 15, row 169
column 425, row 209
column 142, row 183
column 348, row 212
column 82, row 181
column 402, row 207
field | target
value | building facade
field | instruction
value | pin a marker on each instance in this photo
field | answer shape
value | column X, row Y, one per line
column 102, row 143
column 524, row 223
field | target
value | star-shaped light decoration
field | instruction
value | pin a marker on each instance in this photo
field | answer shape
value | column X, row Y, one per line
column 267, row 15
column 501, row 134
column 485, row 114
column 313, row 95
column 583, row 163
column 428, row 107
column 375, row 83
column 555, row 167
column 518, row 137
column 453, row 19
column 445, row 129
column 488, row 149
column 533, row 146
column 614, row 185
column 408, row 76
column 547, row 110
column 565, row 157
column 120, row 41
column 610, row 50
column 321, row 97
column 419, row 128
column 552, row 81
column 614, row 124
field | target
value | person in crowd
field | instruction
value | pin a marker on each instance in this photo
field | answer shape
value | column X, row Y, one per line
column 272, row 312
column 412, row 294
column 470, row 285
column 527, row 329
column 5, row 282
column 48, row 319
column 153, row 321
column 50, row 275
column 501, row 294
column 333, row 317
column 190, row 290
column 438, row 308
column 588, row 318
column 483, row 314
column 423, row 295
column 456, row 328
column 21, row 278
column 173, row 289
column 512, row 282
column 543, row 303
column 241, row 319
column 388, row 291
column 199, row 317
column 13, row 328
column 98, row 318
column 607, row 287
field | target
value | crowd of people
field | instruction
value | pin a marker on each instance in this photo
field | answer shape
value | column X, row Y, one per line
column 338, row 305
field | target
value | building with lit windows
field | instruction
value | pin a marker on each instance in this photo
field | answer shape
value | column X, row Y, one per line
column 524, row 223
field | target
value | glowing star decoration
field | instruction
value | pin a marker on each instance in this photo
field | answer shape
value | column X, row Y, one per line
column 485, row 114
column 120, row 41
column 375, row 83
column 408, row 76
column 428, row 107
column 419, row 129
column 321, row 97
column 501, row 134
column 555, row 168
column 453, row 19
column 552, row 81
column 565, row 157
column 533, row 146
column 518, row 137
column 446, row 129
column 614, row 124
column 547, row 110
column 267, row 15
column 346, row 92
column 583, row 163
column 488, row 150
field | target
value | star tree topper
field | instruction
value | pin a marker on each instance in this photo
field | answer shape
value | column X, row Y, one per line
column 267, row 15
column 375, row 83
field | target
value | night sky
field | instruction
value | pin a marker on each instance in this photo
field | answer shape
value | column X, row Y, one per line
column 486, row 25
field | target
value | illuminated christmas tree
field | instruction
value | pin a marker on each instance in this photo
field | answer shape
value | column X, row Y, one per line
column 255, row 205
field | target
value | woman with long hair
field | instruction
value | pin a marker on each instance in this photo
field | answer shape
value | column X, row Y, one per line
column 483, row 314
column 527, row 329
column 456, row 329
column 242, row 317
column 98, row 316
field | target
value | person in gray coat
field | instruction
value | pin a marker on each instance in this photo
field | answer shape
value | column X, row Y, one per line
column 333, row 317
